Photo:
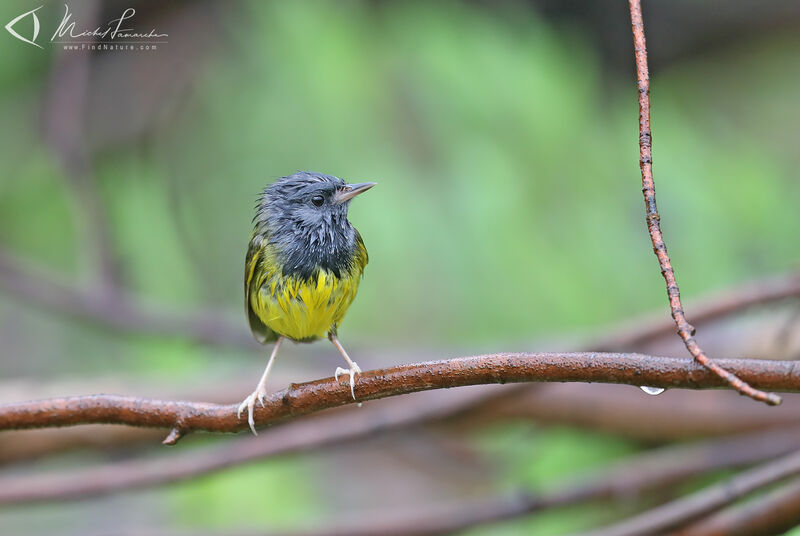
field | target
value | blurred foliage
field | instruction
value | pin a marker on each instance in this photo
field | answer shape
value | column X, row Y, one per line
column 537, row 459
column 278, row 494
column 508, row 205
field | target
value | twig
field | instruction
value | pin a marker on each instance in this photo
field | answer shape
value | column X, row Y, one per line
column 633, row 369
column 685, row 330
column 773, row 514
column 678, row 513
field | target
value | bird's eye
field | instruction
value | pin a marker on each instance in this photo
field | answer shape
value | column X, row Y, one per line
column 317, row 200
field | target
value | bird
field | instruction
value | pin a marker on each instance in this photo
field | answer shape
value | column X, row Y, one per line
column 303, row 267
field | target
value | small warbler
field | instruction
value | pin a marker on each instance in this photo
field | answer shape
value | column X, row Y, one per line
column 303, row 267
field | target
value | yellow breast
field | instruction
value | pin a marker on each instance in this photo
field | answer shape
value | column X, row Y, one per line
column 300, row 308
column 304, row 309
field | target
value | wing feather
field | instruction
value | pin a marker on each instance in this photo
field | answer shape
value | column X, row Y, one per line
column 252, row 284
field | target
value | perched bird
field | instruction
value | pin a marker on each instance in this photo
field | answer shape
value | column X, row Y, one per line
column 303, row 267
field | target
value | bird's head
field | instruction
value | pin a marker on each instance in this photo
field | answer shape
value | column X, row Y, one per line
column 308, row 206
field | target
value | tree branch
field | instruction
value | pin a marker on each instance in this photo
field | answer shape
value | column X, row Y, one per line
column 685, row 330
column 292, row 438
column 774, row 513
column 632, row 369
column 624, row 412
column 678, row 513
column 633, row 476
column 688, row 416
column 119, row 310
column 628, row 478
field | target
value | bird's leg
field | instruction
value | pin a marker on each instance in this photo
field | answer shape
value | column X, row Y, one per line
column 260, row 392
column 352, row 371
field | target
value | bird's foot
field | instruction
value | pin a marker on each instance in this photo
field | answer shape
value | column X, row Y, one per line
column 250, row 404
column 352, row 371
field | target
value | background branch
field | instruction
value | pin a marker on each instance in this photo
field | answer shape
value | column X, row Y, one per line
column 720, row 305
column 118, row 310
column 638, row 474
column 774, row 513
column 684, row 510
column 294, row 437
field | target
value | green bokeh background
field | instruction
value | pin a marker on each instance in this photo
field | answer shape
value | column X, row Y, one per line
column 508, row 209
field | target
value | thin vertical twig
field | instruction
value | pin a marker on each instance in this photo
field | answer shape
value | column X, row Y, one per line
column 685, row 330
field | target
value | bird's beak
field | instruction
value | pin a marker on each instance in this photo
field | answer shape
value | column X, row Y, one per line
column 351, row 190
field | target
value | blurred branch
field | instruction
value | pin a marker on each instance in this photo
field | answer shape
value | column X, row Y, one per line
column 295, row 437
column 630, row 477
column 678, row 513
column 125, row 313
column 26, row 445
column 725, row 303
column 607, row 408
column 685, row 330
column 65, row 119
column 774, row 513
column 302, row 399
column 119, row 311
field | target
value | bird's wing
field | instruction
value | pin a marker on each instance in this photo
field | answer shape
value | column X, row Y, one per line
column 251, row 285
column 361, row 255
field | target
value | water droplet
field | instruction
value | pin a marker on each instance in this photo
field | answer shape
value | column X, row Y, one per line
column 652, row 390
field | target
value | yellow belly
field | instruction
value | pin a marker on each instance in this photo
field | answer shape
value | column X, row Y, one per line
column 304, row 309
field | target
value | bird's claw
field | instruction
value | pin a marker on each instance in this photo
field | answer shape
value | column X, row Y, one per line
column 250, row 404
column 350, row 372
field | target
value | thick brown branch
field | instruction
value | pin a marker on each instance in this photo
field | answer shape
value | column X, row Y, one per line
column 678, row 513
column 621, row 411
column 633, row 369
column 685, row 330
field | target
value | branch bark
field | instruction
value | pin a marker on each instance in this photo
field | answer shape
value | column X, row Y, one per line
column 685, row 330
column 302, row 399
column 692, row 415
